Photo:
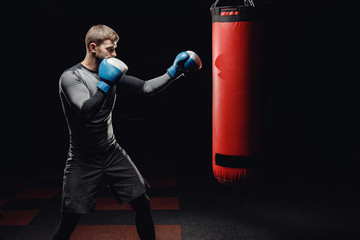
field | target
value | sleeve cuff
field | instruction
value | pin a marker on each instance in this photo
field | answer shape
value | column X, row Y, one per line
column 103, row 86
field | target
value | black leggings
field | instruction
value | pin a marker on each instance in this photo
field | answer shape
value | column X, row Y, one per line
column 143, row 221
column 66, row 226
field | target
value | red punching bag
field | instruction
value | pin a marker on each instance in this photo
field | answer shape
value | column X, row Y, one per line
column 236, row 64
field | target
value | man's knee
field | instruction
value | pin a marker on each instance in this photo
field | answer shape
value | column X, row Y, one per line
column 141, row 204
column 66, row 226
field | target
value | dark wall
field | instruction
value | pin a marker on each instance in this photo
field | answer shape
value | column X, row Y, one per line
column 310, row 89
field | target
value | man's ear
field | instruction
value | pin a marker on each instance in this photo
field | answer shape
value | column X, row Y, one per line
column 92, row 47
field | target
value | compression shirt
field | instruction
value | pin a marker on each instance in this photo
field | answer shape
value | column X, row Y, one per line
column 88, row 110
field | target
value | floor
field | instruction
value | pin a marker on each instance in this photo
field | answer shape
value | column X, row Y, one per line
column 187, row 207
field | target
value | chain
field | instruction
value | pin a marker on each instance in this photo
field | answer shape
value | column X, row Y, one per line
column 249, row 3
column 246, row 3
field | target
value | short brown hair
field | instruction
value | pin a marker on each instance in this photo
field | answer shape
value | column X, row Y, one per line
column 99, row 33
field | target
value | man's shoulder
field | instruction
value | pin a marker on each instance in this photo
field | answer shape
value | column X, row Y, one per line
column 81, row 72
column 71, row 74
column 72, row 70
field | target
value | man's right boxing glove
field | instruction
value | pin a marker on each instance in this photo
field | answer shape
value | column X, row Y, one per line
column 184, row 62
column 110, row 72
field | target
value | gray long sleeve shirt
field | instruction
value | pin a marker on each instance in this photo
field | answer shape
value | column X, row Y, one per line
column 88, row 110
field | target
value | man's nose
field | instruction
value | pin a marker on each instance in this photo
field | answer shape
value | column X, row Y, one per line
column 113, row 54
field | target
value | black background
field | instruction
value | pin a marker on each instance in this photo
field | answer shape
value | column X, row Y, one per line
column 310, row 86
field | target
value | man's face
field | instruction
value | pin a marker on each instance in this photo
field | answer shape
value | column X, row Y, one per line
column 105, row 50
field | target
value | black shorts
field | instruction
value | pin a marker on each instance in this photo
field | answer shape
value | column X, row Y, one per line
column 85, row 170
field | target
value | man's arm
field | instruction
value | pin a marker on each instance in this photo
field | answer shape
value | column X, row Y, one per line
column 78, row 96
column 184, row 62
column 149, row 87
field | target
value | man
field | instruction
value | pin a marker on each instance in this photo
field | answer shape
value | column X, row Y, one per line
column 88, row 93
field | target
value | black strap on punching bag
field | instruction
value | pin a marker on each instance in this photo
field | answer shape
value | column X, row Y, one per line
column 246, row 12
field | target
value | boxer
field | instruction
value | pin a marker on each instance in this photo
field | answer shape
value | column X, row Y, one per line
column 87, row 92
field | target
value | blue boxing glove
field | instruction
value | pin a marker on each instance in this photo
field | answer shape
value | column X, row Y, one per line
column 110, row 72
column 185, row 62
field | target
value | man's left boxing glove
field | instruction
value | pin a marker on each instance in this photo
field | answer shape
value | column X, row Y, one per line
column 110, row 72
column 185, row 62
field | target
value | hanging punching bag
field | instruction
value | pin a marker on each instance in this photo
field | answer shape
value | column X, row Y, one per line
column 236, row 64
